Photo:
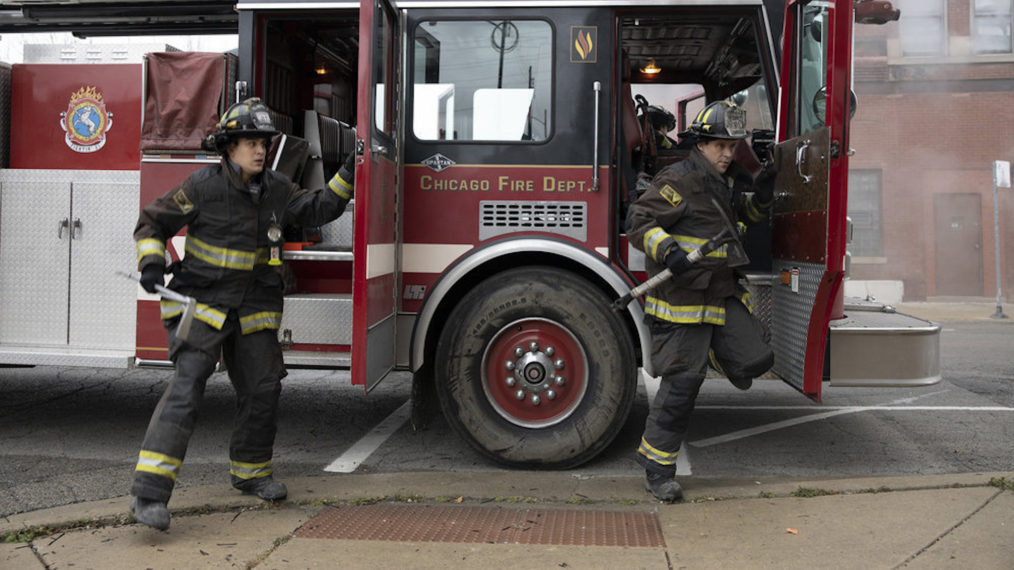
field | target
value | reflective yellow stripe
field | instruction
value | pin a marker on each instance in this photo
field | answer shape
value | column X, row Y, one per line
column 250, row 470
column 263, row 256
column 260, row 321
column 690, row 243
column 340, row 187
column 149, row 246
column 212, row 317
column 158, row 464
column 657, row 455
column 684, row 314
column 220, row 256
column 657, row 242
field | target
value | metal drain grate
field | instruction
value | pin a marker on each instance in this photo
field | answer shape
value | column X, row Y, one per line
column 487, row 525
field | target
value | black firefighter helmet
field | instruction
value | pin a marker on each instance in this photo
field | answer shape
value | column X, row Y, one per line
column 249, row 118
column 719, row 120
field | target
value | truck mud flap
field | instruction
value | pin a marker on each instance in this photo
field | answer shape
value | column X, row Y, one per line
column 875, row 346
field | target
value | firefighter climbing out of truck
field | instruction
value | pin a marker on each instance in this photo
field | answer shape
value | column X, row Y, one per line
column 703, row 311
column 235, row 212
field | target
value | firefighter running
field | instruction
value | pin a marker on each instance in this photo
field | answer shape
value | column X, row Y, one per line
column 703, row 310
column 235, row 212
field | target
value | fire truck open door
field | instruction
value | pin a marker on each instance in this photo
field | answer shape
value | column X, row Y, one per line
column 808, row 248
column 375, row 265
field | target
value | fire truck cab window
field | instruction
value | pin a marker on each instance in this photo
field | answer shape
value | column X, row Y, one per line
column 483, row 80
column 812, row 44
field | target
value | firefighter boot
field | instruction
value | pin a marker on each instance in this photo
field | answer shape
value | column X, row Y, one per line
column 662, row 486
column 264, row 487
column 151, row 513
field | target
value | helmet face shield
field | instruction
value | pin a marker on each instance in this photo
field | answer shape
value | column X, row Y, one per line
column 735, row 123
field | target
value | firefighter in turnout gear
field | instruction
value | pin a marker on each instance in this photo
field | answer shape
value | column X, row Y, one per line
column 235, row 212
column 703, row 310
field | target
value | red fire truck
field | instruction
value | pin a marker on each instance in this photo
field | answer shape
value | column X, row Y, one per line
column 497, row 143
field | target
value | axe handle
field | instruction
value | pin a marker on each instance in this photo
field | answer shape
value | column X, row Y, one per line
column 172, row 295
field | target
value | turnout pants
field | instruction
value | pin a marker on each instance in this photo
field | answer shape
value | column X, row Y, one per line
column 680, row 355
column 255, row 367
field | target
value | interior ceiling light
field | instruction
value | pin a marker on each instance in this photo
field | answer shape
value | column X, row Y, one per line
column 651, row 68
column 321, row 70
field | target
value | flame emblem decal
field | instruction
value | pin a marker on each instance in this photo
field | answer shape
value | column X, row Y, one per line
column 584, row 44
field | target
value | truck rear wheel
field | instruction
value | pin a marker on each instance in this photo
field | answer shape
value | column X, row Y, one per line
column 535, row 370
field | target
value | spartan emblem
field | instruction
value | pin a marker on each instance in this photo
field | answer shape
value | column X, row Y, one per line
column 438, row 162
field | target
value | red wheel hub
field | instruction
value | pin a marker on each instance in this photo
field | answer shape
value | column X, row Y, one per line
column 535, row 373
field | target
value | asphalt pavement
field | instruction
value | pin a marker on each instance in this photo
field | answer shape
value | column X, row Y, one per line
column 537, row 519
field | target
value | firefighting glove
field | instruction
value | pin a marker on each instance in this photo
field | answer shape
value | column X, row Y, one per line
column 151, row 275
column 677, row 262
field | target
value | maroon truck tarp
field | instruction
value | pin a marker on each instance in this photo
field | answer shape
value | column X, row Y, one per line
column 185, row 92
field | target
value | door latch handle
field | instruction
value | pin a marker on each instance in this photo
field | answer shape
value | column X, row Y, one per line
column 60, row 226
column 75, row 230
column 801, row 160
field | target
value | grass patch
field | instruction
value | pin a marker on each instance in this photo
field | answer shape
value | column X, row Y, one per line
column 1002, row 483
column 806, row 493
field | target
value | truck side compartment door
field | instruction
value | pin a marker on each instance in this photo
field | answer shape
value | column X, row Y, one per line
column 808, row 246
column 375, row 247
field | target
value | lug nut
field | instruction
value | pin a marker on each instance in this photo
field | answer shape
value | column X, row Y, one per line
column 536, row 400
column 558, row 364
column 533, row 346
column 550, row 351
column 511, row 381
column 518, row 351
column 560, row 381
column 520, row 394
column 509, row 365
column 551, row 394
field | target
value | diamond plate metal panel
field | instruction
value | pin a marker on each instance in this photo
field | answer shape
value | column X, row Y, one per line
column 499, row 217
column 486, row 525
column 791, row 320
column 340, row 231
column 318, row 318
column 34, row 258
column 43, row 305
column 103, row 306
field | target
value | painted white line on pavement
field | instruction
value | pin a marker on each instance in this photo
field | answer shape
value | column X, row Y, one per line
column 362, row 449
column 889, row 406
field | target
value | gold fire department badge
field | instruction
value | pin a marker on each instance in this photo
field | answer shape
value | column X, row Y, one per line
column 86, row 120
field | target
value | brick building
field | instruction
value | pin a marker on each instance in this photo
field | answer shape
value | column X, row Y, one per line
column 936, row 109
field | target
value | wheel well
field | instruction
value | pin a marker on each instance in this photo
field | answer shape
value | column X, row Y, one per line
column 514, row 261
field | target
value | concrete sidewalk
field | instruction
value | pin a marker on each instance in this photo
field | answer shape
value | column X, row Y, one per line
column 555, row 520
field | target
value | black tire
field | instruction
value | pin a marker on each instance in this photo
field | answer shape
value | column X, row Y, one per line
column 534, row 369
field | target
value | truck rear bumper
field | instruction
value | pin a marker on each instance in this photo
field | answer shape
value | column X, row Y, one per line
column 876, row 346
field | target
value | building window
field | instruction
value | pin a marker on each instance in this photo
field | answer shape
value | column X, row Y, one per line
column 991, row 26
column 864, row 209
column 923, row 28
column 483, row 80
